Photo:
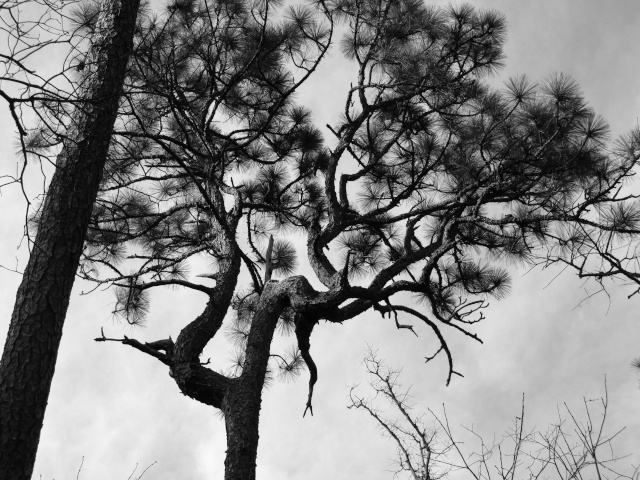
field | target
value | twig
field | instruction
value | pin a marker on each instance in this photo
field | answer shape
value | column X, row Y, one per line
column 80, row 468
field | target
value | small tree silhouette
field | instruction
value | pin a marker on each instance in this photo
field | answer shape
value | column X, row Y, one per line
column 570, row 448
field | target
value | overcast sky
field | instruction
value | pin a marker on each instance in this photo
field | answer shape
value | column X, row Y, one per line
column 117, row 407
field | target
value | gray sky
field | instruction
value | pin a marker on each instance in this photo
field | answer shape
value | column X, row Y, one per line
column 118, row 407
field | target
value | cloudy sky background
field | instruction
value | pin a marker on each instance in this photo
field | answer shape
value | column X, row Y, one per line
column 117, row 407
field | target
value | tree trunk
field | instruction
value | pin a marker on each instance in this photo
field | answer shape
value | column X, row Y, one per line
column 242, row 417
column 31, row 349
column 241, row 405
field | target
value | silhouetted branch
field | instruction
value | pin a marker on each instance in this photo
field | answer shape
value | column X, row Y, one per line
column 580, row 449
column 153, row 349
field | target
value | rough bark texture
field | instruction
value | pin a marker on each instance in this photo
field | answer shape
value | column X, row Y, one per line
column 192, row 378
column 241, row 405
column 30, row 352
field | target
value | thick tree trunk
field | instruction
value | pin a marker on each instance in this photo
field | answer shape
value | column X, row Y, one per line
column 242, row 417
column 30, row 352
column 241, row 405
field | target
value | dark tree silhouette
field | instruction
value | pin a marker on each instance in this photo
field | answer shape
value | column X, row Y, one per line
column 430, row 184
column 30, row 352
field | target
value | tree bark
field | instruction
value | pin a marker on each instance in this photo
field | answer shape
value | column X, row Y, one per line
column 242, row 402
column 242, row 416
column 31, row 349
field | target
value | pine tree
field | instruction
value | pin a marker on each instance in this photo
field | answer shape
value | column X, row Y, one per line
column 31, row 349
column 430, row 184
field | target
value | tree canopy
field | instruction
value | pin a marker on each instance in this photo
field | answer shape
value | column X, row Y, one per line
column 430, row 182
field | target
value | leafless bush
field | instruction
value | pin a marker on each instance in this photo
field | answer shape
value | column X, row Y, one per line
column 573, row 447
